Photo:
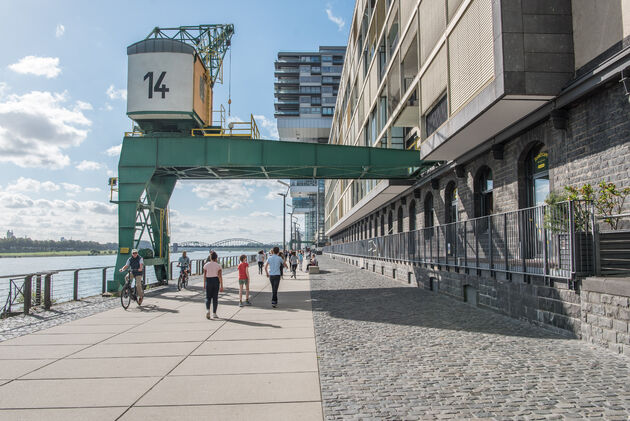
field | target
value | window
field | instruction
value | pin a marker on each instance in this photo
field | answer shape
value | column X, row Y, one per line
column 428, row 210
column 316, row 100
column 328, row 111
column 398, row 137
column 373, row 128
column 327, row 89
column 390, row 223
column 400, row 219
column 412, row 215
column 451, row 203
column 310, row 89
column 436, row 116
column 382, row 112
column 537, row 175
column 382, row 225
column 484, row 190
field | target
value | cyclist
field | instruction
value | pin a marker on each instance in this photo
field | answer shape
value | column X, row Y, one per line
column 136, row 264
column 184, row 264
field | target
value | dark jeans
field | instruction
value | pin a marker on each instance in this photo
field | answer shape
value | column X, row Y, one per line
column 293, row 269
column 275, row 283
column 260, row 267
column 212, row 293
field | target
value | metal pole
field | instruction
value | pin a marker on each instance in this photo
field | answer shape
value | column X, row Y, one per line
column 317, row 215
column 284, row 222
column 75, row 289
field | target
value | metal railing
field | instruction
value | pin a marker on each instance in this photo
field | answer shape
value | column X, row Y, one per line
column 553, row 241
column 248, row 129
column 28, row 290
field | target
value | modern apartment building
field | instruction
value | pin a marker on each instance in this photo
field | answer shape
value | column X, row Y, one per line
column 512, row 99
column 306, row 92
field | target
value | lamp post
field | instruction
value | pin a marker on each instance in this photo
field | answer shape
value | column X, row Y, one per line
column 284, row 214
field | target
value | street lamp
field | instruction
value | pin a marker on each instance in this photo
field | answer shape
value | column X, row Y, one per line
column 284, row 214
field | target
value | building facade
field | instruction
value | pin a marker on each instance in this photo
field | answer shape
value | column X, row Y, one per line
column 513, row 100
column 306, row 92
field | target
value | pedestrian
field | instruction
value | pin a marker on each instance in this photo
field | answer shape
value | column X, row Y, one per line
column 272, row 269
column 213, row 284
column 243, row 281
column 301, row 259
column 294, row 262
column 260, row 258
column 283, row 265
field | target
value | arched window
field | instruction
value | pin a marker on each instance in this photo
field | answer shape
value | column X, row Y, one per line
column 537, row 175
column 450, row 203
column 390, row 223
column 374, row 226
column 400, row 219
column 483, row 192
column 428, row 211
column 412, row 215
column 382, row 225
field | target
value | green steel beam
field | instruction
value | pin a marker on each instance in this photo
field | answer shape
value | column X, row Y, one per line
column 150, row 166
column 197, row 157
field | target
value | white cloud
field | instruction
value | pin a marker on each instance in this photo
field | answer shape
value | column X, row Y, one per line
column 114, row 150
column 59, row 31
column 224, row 194
column 29, row 185
column 113, row 93
column 335, row 19
column 89, row 166
column 36, row 127
column 39, row 66
column 4, row 88
column 269, row 125
column 71, row 189
column 92, row 189
column 257, row 214
column 45, row 219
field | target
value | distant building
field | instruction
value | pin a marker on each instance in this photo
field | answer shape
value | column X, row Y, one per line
column 62, row 239
column 306, row 92
column 10, row 234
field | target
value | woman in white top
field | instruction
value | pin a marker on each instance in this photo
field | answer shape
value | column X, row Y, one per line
column 213, row 284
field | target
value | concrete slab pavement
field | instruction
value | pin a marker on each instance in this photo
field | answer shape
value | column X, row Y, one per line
column 165, row 360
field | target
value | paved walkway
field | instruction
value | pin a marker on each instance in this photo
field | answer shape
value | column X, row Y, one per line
column 166, row 361
column 388, row 350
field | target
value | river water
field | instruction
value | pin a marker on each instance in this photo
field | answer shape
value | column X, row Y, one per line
column 90, row 281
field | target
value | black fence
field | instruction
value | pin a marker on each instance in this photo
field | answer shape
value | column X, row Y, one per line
column 554, row 241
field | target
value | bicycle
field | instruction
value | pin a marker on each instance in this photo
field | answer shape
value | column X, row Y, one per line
column 128, row 292
column 182, row 282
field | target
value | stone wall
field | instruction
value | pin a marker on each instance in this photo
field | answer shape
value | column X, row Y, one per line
column 606, row 313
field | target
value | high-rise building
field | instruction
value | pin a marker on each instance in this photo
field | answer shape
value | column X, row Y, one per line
column 512, row 101
column 306, row 92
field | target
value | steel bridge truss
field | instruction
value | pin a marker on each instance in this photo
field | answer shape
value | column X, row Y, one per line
column 150, row 166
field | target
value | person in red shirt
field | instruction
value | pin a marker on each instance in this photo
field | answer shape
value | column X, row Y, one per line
column 243, row 281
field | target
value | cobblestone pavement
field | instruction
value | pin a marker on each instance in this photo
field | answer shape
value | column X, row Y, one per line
column 391, row 351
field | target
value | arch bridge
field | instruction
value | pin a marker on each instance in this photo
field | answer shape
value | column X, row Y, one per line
column 229, row 243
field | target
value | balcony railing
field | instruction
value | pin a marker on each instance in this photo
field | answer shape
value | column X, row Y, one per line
column 552, row 241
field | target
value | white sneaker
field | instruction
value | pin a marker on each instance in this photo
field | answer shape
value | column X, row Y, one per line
column 208, row 315
column 214, row 316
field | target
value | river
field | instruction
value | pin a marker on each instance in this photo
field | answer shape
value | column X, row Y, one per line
column 90, row 282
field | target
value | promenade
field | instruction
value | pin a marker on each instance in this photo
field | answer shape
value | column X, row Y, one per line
column 166, row 361
column 344, row 344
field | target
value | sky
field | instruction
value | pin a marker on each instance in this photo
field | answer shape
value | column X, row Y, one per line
column 63, row 78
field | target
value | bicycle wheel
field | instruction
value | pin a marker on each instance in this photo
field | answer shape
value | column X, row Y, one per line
column 180, row 281
column 125, row 297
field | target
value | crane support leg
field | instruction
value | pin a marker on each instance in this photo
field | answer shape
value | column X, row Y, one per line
column 142, row 203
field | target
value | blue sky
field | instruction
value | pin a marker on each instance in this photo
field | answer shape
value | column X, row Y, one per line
column 63, row 76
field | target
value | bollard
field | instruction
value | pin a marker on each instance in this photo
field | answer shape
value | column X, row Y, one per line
column 26, row 292
column 47, row 287
column 75, row 292
column 104, row 280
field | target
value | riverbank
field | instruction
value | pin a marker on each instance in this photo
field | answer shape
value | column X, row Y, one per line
column 58, row 253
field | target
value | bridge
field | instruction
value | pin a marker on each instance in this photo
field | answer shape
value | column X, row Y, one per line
column 228, row 243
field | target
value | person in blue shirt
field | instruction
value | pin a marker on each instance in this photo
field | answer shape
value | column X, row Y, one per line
column 272, row 269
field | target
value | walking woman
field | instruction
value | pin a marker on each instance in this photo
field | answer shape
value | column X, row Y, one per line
column 213, row 284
